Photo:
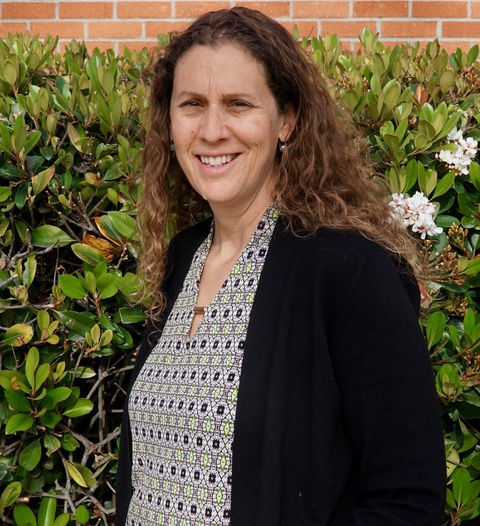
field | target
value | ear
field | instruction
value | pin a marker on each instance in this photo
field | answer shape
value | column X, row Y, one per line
column 287, row 123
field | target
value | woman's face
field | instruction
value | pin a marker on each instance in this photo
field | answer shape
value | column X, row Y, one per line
column 226, row 126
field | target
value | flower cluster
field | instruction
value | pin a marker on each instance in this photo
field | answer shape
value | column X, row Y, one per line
column 466, row 149
column 416, row 212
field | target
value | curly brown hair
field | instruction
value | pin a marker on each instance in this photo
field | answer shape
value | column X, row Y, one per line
column 323, row 180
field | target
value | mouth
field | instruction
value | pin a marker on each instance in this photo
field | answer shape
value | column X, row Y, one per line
column 218, row 160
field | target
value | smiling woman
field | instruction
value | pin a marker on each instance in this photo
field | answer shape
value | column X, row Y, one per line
column 225, row 128
column 283, row 378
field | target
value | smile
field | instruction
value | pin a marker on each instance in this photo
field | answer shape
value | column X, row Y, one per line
column 217, row 161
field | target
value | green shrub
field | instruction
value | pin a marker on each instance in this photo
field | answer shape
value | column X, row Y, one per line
column 70, row 157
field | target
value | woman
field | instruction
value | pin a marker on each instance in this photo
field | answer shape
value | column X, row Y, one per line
column 283, row 379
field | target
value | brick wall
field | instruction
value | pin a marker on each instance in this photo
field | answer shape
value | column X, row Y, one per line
column 116, row 23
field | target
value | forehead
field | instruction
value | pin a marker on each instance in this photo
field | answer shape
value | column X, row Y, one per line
column 219, row 64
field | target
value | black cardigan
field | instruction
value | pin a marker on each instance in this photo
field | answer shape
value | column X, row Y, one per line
column 337, row 418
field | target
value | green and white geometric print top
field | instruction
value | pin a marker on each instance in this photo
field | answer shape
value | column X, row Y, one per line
column 183, row 403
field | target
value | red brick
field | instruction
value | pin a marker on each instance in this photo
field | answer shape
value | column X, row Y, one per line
column 451, row 46
column 152, row 29
column 12, row 27
column 132, row 45
column 304, row 28
column 114, row 29
column 409, row 29
column 60, row 29
column 320, row 9
column 475, row 9
column 84, row 10
column 144, row 10
column 348, row 28
column 273, row 8
column 437, row 9
column 102, row 45
column 194, row 9
column 91, row 45
column 380, row 9
column 461, row 29
column 27, row 10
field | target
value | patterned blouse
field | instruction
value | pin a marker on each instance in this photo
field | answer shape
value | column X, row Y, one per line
column 183, row 403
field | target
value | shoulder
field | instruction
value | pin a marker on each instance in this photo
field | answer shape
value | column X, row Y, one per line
column 342, row 259
column 189, row 239
column 346, row 249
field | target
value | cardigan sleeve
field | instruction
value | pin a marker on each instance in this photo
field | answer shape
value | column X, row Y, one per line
column 391, row 410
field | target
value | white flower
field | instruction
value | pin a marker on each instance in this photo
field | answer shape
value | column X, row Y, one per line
column 415, row 212
column 460, row 159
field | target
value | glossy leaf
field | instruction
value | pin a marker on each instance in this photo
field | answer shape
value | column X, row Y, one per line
column 31, row 455
column 49, row 236
column 80, row 474
column 18, row 335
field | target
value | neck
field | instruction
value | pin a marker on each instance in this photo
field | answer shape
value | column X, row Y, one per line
column 234, row 230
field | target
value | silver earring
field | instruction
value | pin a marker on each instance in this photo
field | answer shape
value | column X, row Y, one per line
column 282, row 147
column 172, row 147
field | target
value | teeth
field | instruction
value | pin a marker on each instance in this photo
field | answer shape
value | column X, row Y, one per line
column 217, row 161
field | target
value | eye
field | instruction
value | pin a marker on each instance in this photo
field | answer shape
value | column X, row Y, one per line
column 191, row 103
column 240, row 104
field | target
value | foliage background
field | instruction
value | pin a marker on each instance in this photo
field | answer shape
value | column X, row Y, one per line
column 70, row 145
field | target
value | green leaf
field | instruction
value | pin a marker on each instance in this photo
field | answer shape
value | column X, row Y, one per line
column 62, row 520
column 30, row 270
column 50, row 419
column 56, row 395
column 18, row 335
column 5, row 192
column 447, row 80
column 69, row 443
column 444, row 185
column 72, row 286
column 46, row 513
column 475, row 174
column 131, row 315
column 79, row 322
column 18, row 401
column 18, row 422
column 85, row 372
column 469, row 321
column 80, row 474
column 31, row 455
column 51, row 444
column 465, row 204
column 10, row 73
column 472, row 55
column 435, row 327
column 461, row 481
column 41, row 375
column 9, row 495
column 32, row 140
column 49, row 235
column 41, row 180
column 83, row 406
column 375, row 84
column 473, row 267
column 82, row 515
column 90, row 255
column 106, row 286
column 24, row 516
column 19, row 137
column 31, row 364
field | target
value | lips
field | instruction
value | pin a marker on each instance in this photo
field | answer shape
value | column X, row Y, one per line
column 217, row 160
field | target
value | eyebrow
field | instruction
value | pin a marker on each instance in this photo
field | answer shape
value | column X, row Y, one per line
column 191, row 94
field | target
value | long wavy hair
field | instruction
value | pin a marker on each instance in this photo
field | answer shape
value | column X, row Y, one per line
column 323, row 178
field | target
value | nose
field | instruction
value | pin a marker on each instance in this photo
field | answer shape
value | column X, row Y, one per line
column 213, row 126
